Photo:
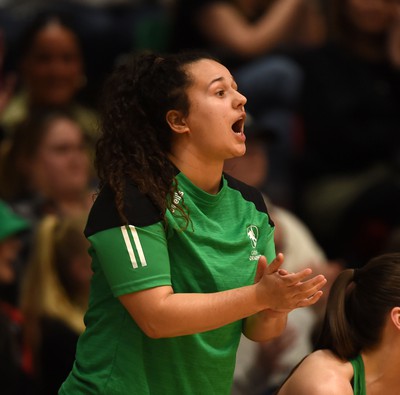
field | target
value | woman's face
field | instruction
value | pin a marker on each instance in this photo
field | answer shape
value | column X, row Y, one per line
column 61, row 163
column 371, row 16
column 215, row 122
column 52, row 69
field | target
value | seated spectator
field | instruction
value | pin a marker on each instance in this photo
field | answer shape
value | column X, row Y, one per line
column 349, row 178
column 246, row 36
column 51, row 73
column 55, row 297
column 359, row 349
column 46, row 168
column 15, row 367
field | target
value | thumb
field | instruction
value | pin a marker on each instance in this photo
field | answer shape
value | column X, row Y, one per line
column 261, row 266
column 275, row 264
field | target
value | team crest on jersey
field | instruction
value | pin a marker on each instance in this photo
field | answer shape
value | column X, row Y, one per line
column 252, row 234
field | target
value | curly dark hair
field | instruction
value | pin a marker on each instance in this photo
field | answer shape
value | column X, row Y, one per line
column 135, row 136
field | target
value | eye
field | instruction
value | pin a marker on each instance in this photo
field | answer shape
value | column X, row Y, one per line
column 221, row 93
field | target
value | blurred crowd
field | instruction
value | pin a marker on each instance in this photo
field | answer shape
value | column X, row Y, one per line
column 322, row 79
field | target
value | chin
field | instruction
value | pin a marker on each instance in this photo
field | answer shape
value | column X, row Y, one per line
column 240, row 153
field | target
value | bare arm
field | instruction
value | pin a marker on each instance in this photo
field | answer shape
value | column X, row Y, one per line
column 160, row 312
column 225, row 25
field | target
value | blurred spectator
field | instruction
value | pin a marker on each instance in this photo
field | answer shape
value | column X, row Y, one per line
column 247, row 37
column 7, row 83
column 15, row 358
column 112, row 28
column 261, row 368
column 55, row 297
column 51, row 73
column 349, row 186
column 46, row 167
column 107, row 30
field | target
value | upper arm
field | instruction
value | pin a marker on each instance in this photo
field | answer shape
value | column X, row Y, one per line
column 132, row 258
column 144, row 306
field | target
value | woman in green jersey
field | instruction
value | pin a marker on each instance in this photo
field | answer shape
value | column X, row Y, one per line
column 359, row 348
column 179, row 250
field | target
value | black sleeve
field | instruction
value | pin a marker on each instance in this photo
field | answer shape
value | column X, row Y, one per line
column 138, row 209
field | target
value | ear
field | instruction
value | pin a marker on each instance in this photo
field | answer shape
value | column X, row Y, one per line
column 395, row 317
column 177, row 121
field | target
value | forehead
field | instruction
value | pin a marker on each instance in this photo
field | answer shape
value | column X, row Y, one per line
column 55, row 35
column 205, row 71
column 61, row 129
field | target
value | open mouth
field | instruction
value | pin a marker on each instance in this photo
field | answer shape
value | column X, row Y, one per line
column 238, row 126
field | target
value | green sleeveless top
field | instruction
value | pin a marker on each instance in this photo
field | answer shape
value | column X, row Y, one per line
column 359, row 386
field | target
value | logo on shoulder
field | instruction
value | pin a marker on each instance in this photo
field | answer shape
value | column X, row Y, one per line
column 176, row 200
column 252, row 234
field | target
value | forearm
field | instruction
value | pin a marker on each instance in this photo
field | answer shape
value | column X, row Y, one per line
column 177, row 314
column 160, row 312
column 274, row 25
column 248, row 39
column 264, row 325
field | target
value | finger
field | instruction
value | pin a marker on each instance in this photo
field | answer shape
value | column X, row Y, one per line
column 310, row 287
column 311, row 300
column 283, row 272
column 275, row 264
column 295, row 278
column 261, row 266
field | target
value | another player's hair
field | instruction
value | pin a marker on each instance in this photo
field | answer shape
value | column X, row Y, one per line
column 358, row 306
column 135, row 136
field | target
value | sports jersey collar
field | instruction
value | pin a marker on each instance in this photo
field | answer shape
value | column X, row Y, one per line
column 197, row 194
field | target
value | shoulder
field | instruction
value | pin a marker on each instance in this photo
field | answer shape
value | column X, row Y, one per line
column 320, row 373
column 139, row 210
column 248, row 193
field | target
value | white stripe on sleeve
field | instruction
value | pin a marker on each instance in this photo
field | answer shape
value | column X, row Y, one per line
column 129, row 247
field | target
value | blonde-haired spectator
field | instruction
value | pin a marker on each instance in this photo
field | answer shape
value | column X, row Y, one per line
column 54, row 297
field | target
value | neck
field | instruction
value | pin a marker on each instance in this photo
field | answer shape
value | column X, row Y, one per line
column 205, row 174
column 382, row 369
column 73, row 203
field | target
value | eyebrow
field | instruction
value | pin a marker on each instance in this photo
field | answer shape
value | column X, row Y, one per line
column 218, row 79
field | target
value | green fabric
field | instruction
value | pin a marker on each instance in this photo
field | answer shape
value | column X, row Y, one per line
column 10, row 223
column 218, row 251
column 359, row 386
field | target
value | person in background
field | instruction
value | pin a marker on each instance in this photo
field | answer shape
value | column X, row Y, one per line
column 50, row 73
column 46, row 167
column 15, row 356
column 261, row 368
column 348, row 169
column 177, row 277
column 54, row 298
column 7, row 83
column 249, row 36
column 359, row 349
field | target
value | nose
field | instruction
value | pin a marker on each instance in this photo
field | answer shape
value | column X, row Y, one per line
column 240, row 100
